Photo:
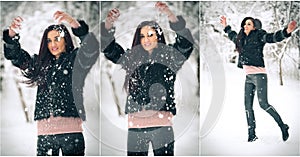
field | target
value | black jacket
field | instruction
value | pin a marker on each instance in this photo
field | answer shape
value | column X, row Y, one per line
column 253, row 45
column 60, row 90
column 151, row 77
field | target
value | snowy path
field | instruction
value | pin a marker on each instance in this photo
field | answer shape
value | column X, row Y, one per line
column 17, row 136
column 229, row 137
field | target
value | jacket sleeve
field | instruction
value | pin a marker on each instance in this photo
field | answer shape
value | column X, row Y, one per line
column 13, row 51
column 184, row 40
column 232, row 35
column 111, row 49
column 274, row 37
column 88, row 51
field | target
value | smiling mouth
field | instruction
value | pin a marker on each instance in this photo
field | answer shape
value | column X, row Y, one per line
column 54, row 49
column 147, row 45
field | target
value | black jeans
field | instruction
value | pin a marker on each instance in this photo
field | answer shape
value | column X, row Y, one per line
column 258, row 82
column 71, row 144
column 162, row 139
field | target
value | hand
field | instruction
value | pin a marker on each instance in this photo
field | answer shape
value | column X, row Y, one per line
column 62, row 16
column 111, row 17
column 291, row 27
column 223, row 21
column 163, row 8
column 15, row 26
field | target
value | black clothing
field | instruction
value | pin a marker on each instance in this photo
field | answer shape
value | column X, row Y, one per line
column 259, row 82
column 253, row 44
column 285, row 134
column 250, row 49
column 71, row 144
column 60, row 87
column 151, row 77
column 161, row 138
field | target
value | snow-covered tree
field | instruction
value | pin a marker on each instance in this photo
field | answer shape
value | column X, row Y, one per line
column 274, row 16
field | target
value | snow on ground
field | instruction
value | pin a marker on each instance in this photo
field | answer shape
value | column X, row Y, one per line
column 229, row 136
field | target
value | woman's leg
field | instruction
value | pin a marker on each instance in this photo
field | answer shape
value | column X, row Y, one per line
column 137, row 142
column 262, row 93
column 72, row 144
column 47, row 145
column 163, row 141
column 248, row 97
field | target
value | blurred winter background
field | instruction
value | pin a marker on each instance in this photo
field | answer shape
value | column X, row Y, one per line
column 18, row 130
column 106, row 127
column 223, row 125
column 113, row 120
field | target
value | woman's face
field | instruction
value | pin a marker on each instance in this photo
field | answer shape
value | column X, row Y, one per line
column 56, row 43
column 148, row 38
column 249, row 26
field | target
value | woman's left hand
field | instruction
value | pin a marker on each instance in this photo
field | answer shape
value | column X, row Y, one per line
column 163, row 7
column 292, row 26
column 62, row 16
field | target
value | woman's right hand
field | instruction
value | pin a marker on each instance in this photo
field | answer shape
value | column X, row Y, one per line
column 111, row 17
column 223, row 21
column 61, row 16
column 14, row 26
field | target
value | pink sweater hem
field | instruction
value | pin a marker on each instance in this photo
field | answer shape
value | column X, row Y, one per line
column 254, row 70
column 59, row 125
column 149, row 118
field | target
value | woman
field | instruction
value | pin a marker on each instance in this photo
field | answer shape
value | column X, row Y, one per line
column 151, row 68
column 250, row 42
column 59, row 71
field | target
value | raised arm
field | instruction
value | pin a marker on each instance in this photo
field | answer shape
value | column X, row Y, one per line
column 12, row 48
column 278, row 35
column 61, row 16
column 88, row 51
column 227, row 29
column 184, row 40
column 163, row 8
column 111, row 49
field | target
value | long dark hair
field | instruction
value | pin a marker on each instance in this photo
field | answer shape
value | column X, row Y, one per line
column 153, row 25
column 241, row 35
column 37, row 73
column 137, row 51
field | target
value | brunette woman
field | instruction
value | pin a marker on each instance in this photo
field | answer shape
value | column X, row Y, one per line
column 151, row 68
column 250, row 42
column 59, row 71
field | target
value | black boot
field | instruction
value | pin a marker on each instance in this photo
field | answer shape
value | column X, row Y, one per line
column 251, row 125
column 252, row 137
column 284, row 129
column 251, row 134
